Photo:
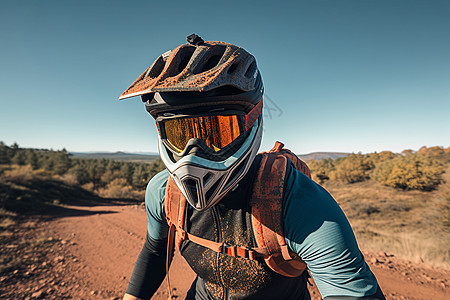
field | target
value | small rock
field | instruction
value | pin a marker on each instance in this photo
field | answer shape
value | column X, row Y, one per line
column 94, row 292
column 382, row 253
column 63, row 242
column 59, row 259
column 374, row 260
column 75, row 260
column 38, row 295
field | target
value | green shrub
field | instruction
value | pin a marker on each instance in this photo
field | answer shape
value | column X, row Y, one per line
column 321, row 169
column 410, row 172
column 352, row 168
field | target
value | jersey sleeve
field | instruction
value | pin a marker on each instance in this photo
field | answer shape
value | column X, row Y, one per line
column 317, row 229
column 157, row 227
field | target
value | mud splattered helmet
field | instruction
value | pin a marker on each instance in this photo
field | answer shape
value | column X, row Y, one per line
column 206, row 98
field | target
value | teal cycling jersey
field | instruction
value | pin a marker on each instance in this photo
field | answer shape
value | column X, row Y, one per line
column 315, row 228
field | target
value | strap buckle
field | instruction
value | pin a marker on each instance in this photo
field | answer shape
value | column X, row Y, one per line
column 237, row 251
column 228, row 249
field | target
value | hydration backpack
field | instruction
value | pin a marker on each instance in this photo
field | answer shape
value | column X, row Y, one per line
column 266, row 216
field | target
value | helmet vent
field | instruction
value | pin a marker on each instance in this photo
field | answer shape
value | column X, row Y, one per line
column 215, row 54
column 211, row 63
column 192, row 188
column 156, row 69
column 212, row 190
column 238, row 170
column 184, row 55
column 206, row 178
column 251, row 70
column 232, row 68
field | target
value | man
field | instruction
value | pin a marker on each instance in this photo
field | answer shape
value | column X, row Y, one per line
column 206, row 98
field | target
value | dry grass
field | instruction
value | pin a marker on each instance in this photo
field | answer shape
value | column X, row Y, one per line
column 410, row 224
column 120, row 189
column 20, row 174
column 69, row 179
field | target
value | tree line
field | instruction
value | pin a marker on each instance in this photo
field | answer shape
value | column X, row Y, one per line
column 409, row 170
column 110, row 178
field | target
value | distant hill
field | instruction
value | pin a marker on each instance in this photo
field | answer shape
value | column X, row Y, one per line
column 150, row 157
column 322, row 155
column 122, row 156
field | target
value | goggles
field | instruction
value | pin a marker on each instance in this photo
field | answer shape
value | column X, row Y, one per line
column 215, row 131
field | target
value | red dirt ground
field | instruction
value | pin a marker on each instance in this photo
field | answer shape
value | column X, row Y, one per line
column 95, row 248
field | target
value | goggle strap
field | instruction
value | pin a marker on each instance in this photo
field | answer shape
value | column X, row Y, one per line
column 253, row 115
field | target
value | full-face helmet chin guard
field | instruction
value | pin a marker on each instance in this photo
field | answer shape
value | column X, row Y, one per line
column 204, row 182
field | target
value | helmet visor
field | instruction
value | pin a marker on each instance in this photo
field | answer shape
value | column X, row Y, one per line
column 216, row 131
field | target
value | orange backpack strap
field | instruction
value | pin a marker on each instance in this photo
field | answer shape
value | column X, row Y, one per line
column 175, row 207
column 297, row 162
column 267, row 211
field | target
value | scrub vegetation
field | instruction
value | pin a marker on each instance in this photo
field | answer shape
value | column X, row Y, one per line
column 398, row 203
column 23, row 169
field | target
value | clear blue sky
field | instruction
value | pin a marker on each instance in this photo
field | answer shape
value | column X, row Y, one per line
column 348, row 75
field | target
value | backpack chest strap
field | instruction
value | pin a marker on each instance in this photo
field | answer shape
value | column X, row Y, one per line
column 232, row 250
column 175, row 208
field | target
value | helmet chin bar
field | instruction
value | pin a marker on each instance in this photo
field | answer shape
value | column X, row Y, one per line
column 203, row 182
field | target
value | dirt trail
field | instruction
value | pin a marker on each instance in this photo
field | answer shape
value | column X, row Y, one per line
column 100, row 245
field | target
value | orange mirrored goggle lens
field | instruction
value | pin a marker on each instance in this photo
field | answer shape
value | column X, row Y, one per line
column 216, row 131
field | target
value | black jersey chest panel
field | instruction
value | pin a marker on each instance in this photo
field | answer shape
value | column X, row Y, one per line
column 224, row 276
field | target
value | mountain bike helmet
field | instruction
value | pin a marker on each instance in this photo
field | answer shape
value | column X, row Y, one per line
column 206, row 99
